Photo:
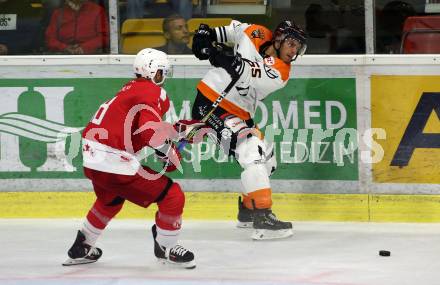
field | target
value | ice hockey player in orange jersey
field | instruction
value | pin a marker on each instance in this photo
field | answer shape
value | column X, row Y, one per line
column 259, row 64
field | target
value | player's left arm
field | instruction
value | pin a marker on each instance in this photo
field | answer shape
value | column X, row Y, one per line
column 159, row 135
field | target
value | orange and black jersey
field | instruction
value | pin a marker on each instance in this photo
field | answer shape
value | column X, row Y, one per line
column 259, row 76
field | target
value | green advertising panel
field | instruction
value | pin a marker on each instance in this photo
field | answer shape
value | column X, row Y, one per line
column 311, row 121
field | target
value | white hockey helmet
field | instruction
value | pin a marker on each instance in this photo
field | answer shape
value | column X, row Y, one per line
column 148, row 61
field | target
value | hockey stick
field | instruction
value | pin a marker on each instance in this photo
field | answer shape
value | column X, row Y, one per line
column 214, row 106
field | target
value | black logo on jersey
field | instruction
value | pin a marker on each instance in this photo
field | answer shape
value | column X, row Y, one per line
column 242, row 91
column 270, row 72
column 257, row 34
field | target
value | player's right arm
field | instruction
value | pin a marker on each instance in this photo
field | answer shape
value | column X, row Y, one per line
column 205, row 37
column 230, row 33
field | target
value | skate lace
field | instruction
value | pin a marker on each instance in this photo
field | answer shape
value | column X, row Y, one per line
column 179, row 250
column 93, row 251
column 273, row 217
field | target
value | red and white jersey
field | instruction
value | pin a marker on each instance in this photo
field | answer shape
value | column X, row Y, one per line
column 124, row 125
column 259, row 76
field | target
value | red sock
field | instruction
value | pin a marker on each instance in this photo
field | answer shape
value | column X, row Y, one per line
column 169, row 216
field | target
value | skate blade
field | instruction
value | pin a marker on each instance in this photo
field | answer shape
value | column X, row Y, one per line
column 245, row 225
column 77, row 261
column 269, row 234
column 186, row 265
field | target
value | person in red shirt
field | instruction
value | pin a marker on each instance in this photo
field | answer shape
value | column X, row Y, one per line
column 112, row 144
column 79, row 27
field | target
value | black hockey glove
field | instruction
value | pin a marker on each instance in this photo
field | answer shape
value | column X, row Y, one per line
column 202, row 42
column 229, row 62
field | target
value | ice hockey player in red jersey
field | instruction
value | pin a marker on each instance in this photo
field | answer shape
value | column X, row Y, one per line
column 112, row 142
column 259, row 65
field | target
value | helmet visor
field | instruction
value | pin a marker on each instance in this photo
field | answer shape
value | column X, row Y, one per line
column 166, row 71
column 303, row 49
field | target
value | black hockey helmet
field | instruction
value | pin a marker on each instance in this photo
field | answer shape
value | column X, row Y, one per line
column 288, row 29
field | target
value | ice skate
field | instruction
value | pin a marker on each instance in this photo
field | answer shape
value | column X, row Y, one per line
column 267, row 226
column 82, row 253
column 177, row 255
column 245, row 215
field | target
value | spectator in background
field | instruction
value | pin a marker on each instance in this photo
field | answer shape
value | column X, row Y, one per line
column 177, row 35
column 390, row 25
column 48, row 7
column 137, row 9
column 321, row 35
column 351, row 36
column 78, row 27
column 19, row 24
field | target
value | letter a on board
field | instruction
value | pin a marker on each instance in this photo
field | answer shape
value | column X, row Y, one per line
column 414, row 137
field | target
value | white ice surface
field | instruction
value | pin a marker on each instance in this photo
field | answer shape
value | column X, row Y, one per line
column 319, row 253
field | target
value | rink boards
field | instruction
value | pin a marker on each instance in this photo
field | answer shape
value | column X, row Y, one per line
column 223, row 206
column 330, row 125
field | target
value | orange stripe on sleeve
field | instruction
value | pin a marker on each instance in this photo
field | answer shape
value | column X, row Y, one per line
column 230, row 107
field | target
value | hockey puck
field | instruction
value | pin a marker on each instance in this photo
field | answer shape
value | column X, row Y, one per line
column 384, row 253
